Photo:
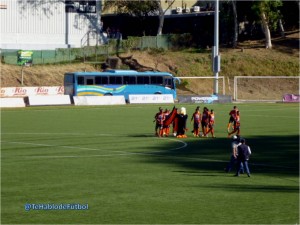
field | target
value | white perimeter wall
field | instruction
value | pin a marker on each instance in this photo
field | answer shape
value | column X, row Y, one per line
column 41, row 24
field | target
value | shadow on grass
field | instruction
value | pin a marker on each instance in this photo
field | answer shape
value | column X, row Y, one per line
column 255, row 188
column 270, row 155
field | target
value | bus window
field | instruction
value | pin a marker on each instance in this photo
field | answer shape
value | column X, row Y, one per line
column 80, row 80
column 89, row 81
column 129, row 80
column 101, row 80
column 115, row 80
column 143, row 80
column 156, row 80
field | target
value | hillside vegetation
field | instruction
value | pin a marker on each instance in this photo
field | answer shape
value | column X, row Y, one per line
column 250, row 59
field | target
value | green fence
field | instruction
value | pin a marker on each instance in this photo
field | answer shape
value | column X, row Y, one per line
column 161, row 41
column 56, row 56
column 82, row 54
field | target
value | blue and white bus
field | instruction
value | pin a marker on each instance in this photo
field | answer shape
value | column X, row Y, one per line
column 119, row 82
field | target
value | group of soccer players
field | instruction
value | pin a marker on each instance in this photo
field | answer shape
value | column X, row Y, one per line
column 159, row 118
column 203, row 123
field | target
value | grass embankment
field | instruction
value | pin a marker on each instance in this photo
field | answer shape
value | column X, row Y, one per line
column 250, row 59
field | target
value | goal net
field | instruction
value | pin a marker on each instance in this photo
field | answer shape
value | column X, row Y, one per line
column 264, row 88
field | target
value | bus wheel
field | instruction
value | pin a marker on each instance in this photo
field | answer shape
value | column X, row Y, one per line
column 157, row 93
column 108, row 94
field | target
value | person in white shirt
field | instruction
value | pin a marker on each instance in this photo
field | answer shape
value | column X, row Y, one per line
column 234, row 154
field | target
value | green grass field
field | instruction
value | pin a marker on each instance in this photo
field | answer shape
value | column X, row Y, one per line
column 108, row 158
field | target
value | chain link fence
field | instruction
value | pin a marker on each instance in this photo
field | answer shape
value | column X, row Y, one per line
column 86, row 53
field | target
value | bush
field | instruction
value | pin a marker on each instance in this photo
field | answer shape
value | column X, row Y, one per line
column 181, row 40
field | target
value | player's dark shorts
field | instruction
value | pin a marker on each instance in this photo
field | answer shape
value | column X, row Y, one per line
column 204, row 123
column 158, row 126
column 196, row 125
column 231, row 119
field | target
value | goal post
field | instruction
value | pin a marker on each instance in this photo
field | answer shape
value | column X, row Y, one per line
column 208, row 89
column 264, row 88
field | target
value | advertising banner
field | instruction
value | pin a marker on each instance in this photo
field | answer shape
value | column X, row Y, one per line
column 138, row 99
column 198, row 99
column 83, row 6
column 24, row 58
column 291, row 98
column 49, row 100
column 12, row 102
column 99, row 100
column 33, row 91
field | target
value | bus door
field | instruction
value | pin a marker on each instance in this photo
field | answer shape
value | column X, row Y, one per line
column 69, row 84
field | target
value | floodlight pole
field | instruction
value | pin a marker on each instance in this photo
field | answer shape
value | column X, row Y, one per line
column 216, row 57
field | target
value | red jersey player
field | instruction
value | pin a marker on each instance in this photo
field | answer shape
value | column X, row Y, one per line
column 166, row 128
column 232, row 118
column 204, row 121
column 211, row 123
column 197, row 119
column 237, row 125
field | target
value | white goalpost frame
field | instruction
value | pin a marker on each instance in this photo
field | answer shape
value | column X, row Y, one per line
column 235, row 88
column 209, row 77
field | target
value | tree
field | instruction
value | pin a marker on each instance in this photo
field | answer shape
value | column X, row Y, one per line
column 235, row 20
column 141, row 9
column 161, row 14
column 138, row 8
column 268, row 14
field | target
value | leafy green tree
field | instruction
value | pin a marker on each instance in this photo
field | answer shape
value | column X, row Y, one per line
column 268, row 14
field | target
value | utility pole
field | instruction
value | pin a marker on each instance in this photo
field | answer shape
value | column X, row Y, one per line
column 216, row 61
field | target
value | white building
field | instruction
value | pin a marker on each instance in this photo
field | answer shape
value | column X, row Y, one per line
column 49, row 24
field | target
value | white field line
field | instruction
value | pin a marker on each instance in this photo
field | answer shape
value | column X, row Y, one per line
column 124, row 153
column 184, row 145
column 58, row 134
column 71, row 108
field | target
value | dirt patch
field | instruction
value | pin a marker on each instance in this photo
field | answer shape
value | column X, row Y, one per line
column 39, row 75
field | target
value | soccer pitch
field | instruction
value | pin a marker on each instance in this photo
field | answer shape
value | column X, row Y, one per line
column 108, row 159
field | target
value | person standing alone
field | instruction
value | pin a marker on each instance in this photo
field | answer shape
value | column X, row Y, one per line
column 244, row 153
